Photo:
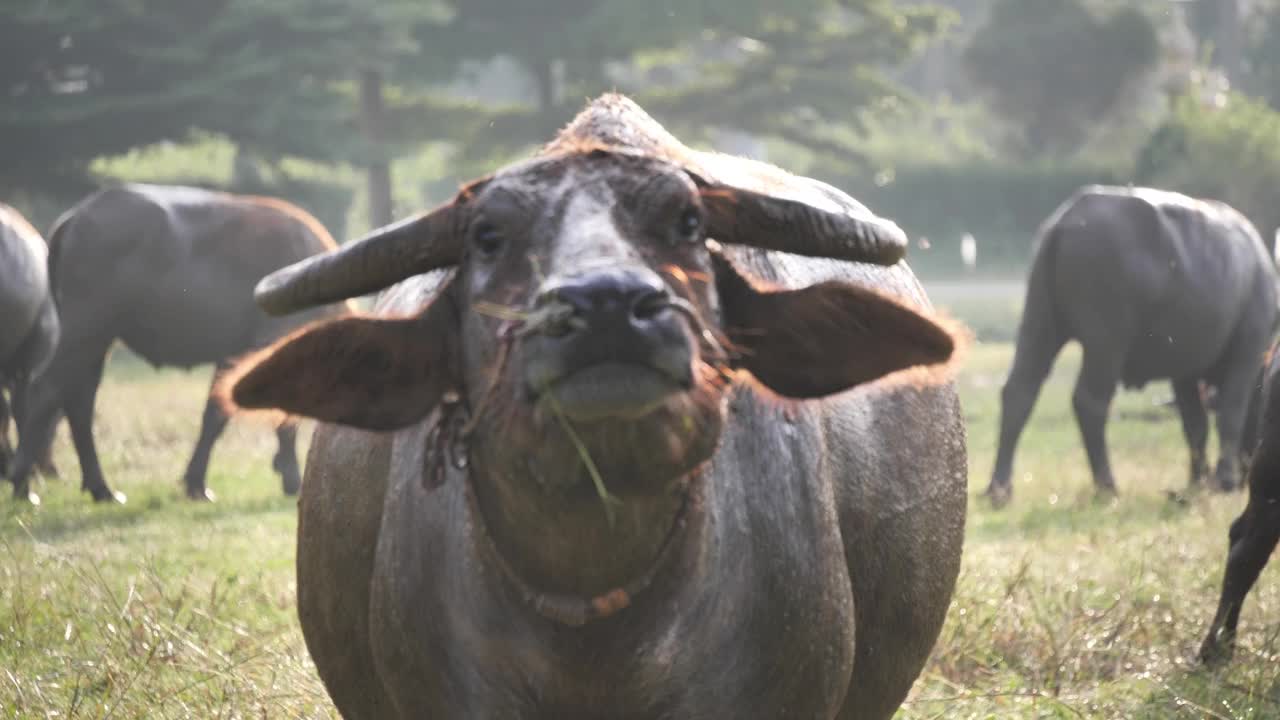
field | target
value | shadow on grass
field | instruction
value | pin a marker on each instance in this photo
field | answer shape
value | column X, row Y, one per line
column 1084, row 513
column 68, row 518
column 1154, row 414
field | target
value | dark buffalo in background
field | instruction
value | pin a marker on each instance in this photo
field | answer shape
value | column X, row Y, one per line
column 169, row 272
column 775, row 547
column 1153, row 285
column 28, row 318
column 1253, row 535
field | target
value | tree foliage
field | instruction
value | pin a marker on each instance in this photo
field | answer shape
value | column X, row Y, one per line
column 87, row 78
column 791, row 70
column 84, row 78
column 1262, row 55
column 1226, row 152
column 1219, row 26
column 1056, row 68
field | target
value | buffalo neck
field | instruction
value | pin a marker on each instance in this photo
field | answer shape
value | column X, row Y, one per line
column 561, row 547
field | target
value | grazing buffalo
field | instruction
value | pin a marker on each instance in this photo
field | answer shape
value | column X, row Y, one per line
column 28, row 317
column 597, row 464
column 168, row 271
column 1253, row 536
column 1153, row 285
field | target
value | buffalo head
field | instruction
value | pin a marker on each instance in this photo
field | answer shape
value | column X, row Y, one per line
column 592, row 327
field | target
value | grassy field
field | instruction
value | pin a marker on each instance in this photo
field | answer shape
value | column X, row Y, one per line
column 1066, row 608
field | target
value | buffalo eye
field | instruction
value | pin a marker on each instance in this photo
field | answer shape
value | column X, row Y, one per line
column 690, row 224
column 487, row 239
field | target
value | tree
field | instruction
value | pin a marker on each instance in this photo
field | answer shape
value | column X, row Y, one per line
column 801, row 70
column 1262, row 54
column 1228, row 152
column 1054, row 68
column 332, row 81
column 85, row 78
column 1220, row 27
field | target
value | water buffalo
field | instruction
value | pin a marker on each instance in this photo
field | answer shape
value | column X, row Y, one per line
column 1253, row 536
column 596, row 464
column 1153, row 285
column 168, row 271
column 28, row 317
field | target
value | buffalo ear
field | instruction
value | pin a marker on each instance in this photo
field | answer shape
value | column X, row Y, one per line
column 825, row 338
column 367, row 372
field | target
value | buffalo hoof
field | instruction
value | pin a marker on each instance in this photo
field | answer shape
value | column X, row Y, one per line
column 998, row 495
column 106, row 495
column 291, row 483
column 1213, row 652
column 1199, row 477
column 27, row 496
column 1226, row 480
column 201, row 495
column 1104, row 494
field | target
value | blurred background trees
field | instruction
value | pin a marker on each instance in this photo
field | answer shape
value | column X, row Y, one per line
column 1058, row 69
column 296, row 85
column 1229, row 152
column 953, row 116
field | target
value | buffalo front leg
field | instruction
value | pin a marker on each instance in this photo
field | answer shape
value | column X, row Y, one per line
column 1250, row 432
column 1233, row 407
column 285, row 461
column 1032, row 361
column 212, row 424
column 44, row 459
column 1195, row 425
column 6, row 450
column 1092, row 401
column 1253, row 537
column 36, row 422
column 79, row 407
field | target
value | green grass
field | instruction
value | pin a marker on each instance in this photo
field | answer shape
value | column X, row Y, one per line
column 1066, row 608
column 161, row 607
column 1071, row 608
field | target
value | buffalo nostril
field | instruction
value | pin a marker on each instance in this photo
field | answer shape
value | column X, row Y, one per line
column 601, row 298
column 650, row 305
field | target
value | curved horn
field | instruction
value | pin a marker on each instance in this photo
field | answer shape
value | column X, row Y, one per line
column 382, row 258
column 753, row 203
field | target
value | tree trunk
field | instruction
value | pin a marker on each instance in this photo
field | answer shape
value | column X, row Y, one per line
column 373, row 121
column 544, row 78
column 245, row 175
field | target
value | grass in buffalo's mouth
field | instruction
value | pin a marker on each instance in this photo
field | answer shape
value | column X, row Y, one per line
column 608, row 500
